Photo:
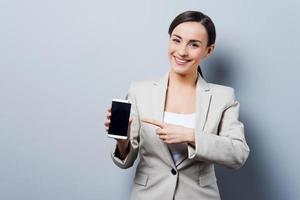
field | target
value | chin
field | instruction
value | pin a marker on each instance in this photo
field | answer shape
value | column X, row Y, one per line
column 188, row 68
column 180, row 70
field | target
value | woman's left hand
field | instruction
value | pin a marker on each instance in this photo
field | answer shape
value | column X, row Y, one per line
column 170, row 133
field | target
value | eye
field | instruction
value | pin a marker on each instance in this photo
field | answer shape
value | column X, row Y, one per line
column 175, row 40
column 194, row 45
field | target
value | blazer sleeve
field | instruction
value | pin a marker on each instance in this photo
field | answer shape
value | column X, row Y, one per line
column 228, row 147
column 134, row 135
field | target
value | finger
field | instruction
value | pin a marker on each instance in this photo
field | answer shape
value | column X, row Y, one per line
column 154, row 122
column 166, row 139
column 163, row 137
column 160, row 131
column 130, row 120
column 108, row 115
column 107, row 122
column 109, row 109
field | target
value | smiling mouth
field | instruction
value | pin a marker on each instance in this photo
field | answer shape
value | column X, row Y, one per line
column 180, row 61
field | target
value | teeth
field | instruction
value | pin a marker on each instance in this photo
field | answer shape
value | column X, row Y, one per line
column 181, row 61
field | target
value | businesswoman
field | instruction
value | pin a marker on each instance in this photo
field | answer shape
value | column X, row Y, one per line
column 180, row 125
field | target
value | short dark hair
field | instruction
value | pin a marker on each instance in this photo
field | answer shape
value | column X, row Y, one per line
column 196, row 16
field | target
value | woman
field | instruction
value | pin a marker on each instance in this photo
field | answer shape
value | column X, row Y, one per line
column 180, row 125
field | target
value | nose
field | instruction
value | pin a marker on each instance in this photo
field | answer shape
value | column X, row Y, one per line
column 182, row 50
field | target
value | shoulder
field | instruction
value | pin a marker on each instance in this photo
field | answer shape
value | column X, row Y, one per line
column 221, row 89
column 222, row 92
column 143, row 85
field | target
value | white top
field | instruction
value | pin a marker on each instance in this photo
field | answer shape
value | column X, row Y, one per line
column 179, row 151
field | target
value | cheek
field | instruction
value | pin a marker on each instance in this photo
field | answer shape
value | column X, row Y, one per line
column 171, row 49
column 197, row 55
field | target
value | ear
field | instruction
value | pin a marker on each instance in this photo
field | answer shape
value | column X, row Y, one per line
column 209, row 50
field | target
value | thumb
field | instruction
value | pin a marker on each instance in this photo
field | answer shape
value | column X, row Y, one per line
column 130, row 120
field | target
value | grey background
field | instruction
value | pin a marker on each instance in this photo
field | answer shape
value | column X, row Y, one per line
column 61, row 63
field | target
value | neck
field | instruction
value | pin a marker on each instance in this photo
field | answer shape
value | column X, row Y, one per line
column 179, row 80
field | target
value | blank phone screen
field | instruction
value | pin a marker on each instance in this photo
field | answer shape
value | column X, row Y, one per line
column 120, row 113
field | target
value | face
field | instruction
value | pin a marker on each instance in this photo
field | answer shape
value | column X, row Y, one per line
column 187, row 47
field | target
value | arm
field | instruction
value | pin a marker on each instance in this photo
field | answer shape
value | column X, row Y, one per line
column 229, row 147
column 125, row 152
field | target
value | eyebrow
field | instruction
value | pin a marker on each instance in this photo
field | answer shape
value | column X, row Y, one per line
column 190, row 40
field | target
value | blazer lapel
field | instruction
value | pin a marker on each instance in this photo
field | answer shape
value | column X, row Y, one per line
column 203, row 98
column 162, row 86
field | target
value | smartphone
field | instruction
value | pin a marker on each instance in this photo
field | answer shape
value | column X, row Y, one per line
column 119, row 119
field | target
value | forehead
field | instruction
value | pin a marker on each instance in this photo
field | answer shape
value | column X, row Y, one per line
column 191, row 30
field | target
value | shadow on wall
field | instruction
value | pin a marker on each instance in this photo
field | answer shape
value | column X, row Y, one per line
column 245, row 183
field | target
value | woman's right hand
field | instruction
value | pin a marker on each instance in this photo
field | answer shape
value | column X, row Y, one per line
column 122, row 144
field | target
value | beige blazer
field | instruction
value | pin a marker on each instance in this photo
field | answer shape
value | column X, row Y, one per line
column 219, row 139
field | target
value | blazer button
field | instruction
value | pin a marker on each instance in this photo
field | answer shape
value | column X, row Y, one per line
column 173, row 171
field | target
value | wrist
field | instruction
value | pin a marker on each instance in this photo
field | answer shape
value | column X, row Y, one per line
column 122, row 143
column 191, row 136
column 122, row 148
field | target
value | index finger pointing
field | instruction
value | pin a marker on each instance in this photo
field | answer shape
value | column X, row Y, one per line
column 154, row 122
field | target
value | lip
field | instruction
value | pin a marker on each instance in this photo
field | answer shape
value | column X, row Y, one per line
column 180, row 61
